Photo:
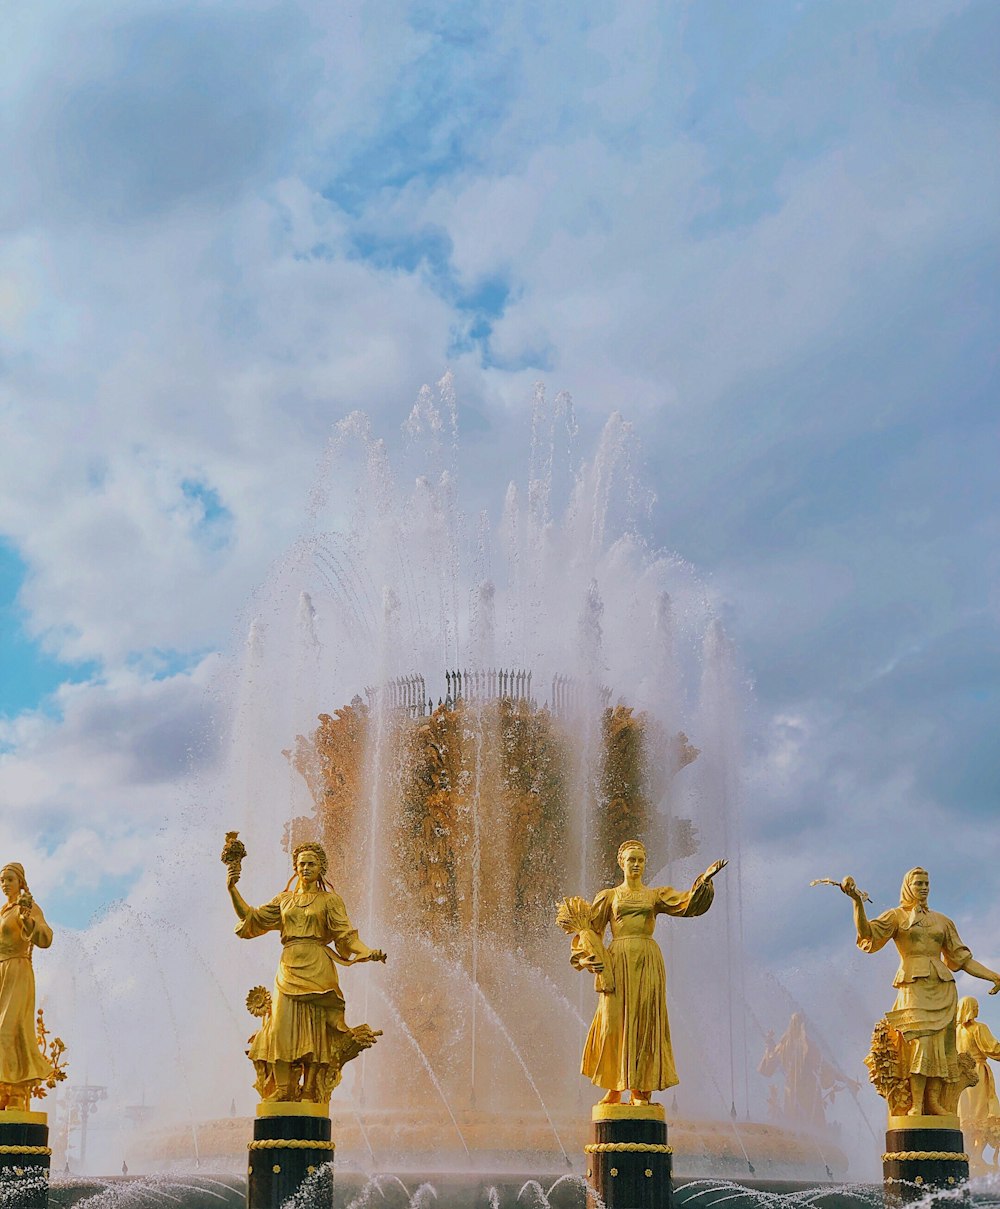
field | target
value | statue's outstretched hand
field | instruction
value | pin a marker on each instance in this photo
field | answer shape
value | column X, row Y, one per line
column 849, row 887
column 376, row 955
column 233, row 877
column 995, row 987
column 714, row 868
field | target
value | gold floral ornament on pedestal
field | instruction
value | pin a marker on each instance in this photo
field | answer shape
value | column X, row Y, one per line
column 55, row 1051
column 29, row 1062
column 303, row 1041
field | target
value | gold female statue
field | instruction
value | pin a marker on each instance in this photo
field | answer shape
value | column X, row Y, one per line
column 23, row 1067
column 923, row 1015
column 628, row 1046
column 304, row 1040
column 979, row 1108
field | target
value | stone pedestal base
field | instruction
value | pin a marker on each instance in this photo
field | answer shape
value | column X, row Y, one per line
column 923, row 1154
column 24, row 1159
column 628, row 1160
column 291, row 1143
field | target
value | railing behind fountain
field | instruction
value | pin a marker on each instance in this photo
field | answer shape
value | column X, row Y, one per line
column 489, row 684
column 409, row 693
column 570, row 695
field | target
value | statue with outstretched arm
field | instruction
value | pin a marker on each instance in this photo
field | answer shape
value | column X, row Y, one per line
column 304, row 1040
column 628, row 1047
column 924, row 1014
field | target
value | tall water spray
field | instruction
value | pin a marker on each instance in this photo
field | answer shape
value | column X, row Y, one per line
column 468, row 707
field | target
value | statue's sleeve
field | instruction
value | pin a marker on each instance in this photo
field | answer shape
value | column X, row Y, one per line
column 695, row 901
column 883, row 929
column 601, row 911
column 42, row 935
column 343, row 934
column 955, row 955
column 987, row 1043
column 260, row 920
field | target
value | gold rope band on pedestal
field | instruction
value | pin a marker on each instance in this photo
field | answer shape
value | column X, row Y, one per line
column 25, row 1150
column 291, row 1143
column 629, row 1147
column 906, row 1156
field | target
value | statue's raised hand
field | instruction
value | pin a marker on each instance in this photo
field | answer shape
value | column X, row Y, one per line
column 849, row 887
column 714, row 868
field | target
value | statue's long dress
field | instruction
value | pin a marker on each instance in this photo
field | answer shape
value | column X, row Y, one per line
column 307, row 1013
column 926, row 997
column 807, row 1074
column 20, row 1059
column 979, row 1102
column 628, row 1046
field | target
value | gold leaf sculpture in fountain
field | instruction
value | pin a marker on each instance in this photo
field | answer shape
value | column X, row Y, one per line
column 628, row 1047
column 914, row 1061
column 978, row 1107
column 29, row 1063
column 303, row 1041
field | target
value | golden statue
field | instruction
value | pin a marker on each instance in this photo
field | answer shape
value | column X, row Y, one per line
column 628, row 1046
column 915, row 1061
column 26, row 1065
column 303, row 1042
column 979, row 1108
column 809, row 1079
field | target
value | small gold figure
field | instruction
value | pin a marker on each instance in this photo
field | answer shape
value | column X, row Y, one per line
column 809, row 1079
column 25, row 1068
column 628, row 1046
column 303, row 1041
column 915, row 1061
column 979, row 1108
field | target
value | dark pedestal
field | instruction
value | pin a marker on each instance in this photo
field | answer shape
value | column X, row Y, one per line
column 24, row 1160
column 287, row 1153
column 628, row 1160
column 919, row 1159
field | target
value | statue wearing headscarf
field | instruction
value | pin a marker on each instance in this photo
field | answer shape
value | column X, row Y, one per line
column 979, row 1108
column 923, row 1015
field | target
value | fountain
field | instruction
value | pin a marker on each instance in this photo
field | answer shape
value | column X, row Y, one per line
column 471, row 712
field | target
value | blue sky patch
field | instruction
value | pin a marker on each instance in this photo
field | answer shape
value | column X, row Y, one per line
column 215, row 526
column 74, row 906
column 28, row 675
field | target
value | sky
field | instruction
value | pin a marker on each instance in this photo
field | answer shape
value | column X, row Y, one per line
column 766, row 234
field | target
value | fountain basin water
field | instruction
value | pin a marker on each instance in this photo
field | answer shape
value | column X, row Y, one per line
column 413, row 1142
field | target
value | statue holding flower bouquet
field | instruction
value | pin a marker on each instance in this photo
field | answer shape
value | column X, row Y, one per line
column 304, row 1040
